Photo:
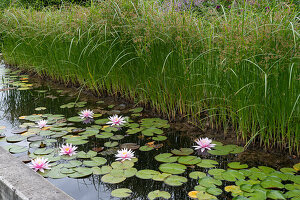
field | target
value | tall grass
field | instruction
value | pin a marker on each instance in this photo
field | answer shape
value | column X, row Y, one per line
column 236, row 68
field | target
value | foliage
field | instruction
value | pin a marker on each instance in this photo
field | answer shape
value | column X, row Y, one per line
column 230, row 68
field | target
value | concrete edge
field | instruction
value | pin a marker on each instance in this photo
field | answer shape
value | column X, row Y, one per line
column 19, row 182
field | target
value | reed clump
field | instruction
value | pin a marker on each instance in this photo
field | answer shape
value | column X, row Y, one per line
column 236, row 67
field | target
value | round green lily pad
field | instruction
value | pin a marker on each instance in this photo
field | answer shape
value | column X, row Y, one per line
column 159, row 138
column 43, row 151
column 206, row 163
column 111, row 144
column 104, row 135
column 175, row 180
column 214, row 191
column 81, row 172
column 146, row 174
column 89, row 154
column 237, row 165
column 18, row 149
column 271, row 184
column 103, row 170
column 146, row 148
column 189, row 160
column 172, row 168
column 117, row 137
column 75, row 119
column 15, row 138
column 121, row 192
column 108, row 178
column 183, row 151
column 159, row 194
column 166, row 157
column 197, row 175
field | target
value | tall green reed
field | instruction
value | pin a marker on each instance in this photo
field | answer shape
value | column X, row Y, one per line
column 236, row 69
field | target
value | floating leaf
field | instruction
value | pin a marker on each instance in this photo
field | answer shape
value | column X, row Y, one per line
column 67, row 171
column 172, row 168
column 151, row 131
column 72, row 163
column 104, row 135
column 159, row 138
column 132, row 146
column 103, row 170
column 75, row 141
column 145, row 148
column 160, row 176
column 183, row 151
column 206, row 163
column 108, row 178
column 15, row 138
column 40, row 108
column 271, row 184
column 233, row 175
column 117, row 137
column 237, row 165
column 197, row 175
column 136, row 110
column 101, row 121
column 95, row 161
column 123, row 165
column 18, row 149
column 214, row 191
column 189, row 160
column 89, row 154
column 81, row 172
column 209, row 182
column 274, row 194
column 121, row 192
column 216, row 172
column 175, row 180
column 297, row 167
column 159, row 194
column 56, row 174
column 292, row 193
column 75, row 119
column 146, row 174
column 234, row 189
column 111, row 144
column 166, row 157
column 43, row 151
column 288, row 170
column 205, row 196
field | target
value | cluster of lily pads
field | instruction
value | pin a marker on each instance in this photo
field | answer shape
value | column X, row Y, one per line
column 44, row 132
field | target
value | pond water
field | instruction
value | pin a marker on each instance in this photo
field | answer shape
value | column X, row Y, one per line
column 159, row 164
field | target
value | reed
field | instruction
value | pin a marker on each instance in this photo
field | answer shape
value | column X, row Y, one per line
column 236, row 68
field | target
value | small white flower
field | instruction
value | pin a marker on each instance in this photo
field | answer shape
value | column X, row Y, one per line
column 204, row 143
column 42, row 123
column 116, row 120
column 86, row 114
column 125, row 154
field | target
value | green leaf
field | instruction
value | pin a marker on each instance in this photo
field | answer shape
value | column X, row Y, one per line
column 206, row 163
column 151, row 131
column 121, row 192
column 43, row 151
column 101, row 121
column 104, row 135
column 145, row 148
column 89, row 154
column 117, row 137
column 197, row 175
column 111, row 144
column 159, row 138
column 160, row 176
column 237, row 165
column 183, row 151
column 81, row 172
column 189, row 160
column 103, row 170
column 205, row 196
column 214, row 191
column 288, row 170
column 172, row 168
column 274, row 194
column 108, row 178
column 166, row 157
column 209, row 182
column 75, row 119
column 271, row 184
column 123, row 165
column 159, row 194
column 216, row 172
column 95, row 161
column 15, row 138
column 56, row 174
column 136, row 110
column 18, row 149
column 146, row 174
column 175, row 180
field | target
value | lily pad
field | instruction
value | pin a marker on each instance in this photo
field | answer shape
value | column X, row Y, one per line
column 95, row 161
column 197, row 175
column 206, row 163
column 101, row 121
column 136, row 110
column 108, row 178
column 56, row 174
column 43, row 151
column 15, row 138
column 146, row 148
column 104, row 135
column 159, row 138
column 146, row 174
column 75, row 119
column 117, row 137
column 159, row 194
column 209, row 182
column 205, row 196
column 166, row 157
column 297, row 167
column 288, row 170
column 111, row 144
column 81, row 172
column 89, row 154
column 172, row 168
column 274, row 194
column 121, row 192
column 160, row 176
column 151, row 131
column 271, row 184
column 102, row 170
column 237, row 165
column 183, row 151
column 175, row 180
column 18, row 149
column 189, row 160
column 214, row 191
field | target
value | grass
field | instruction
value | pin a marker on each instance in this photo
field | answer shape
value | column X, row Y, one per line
column 236, row 68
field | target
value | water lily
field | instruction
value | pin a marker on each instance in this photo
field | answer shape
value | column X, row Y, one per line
column 39, row 163
column 204, row 143
column 42, row 123
column 68, row 149
column 116, row 120
column 125, row 154
column 86, row 114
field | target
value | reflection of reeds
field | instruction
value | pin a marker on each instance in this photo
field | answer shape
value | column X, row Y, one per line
column 232, row 69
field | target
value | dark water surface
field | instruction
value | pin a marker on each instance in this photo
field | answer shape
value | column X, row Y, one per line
column 15, row 103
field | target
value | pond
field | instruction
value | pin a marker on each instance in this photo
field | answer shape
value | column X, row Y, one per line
column 166, row 164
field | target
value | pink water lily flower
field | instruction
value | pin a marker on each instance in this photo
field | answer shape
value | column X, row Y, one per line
column 68, row 149
column 204, row 143
column 42, row 123
column 116, row 120
column 39, row 163
column 86, row 114
column 125, row 154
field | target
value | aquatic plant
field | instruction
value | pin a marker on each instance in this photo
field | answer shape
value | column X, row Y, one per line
column 204, row 144
column 125, row 154
column 86, row 114
column 232, row 70
column 116, row 120
column 42, row 123
column 68, row 149
column 39, row 164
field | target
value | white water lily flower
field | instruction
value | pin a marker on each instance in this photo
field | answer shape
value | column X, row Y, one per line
column 116, row 120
